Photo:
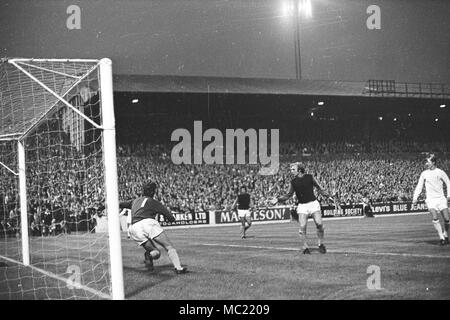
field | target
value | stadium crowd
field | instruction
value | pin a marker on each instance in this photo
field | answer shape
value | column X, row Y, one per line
column 65, row 185
column 343, row 169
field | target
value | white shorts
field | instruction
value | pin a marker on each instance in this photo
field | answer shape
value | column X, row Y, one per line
column 243, row 213
column 308, row 208
column 437, row 203
column 144, row 230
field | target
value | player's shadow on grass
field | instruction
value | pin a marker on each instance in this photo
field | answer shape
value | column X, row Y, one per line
column 160, row 274
column 311, row 249
column 433, row 242
column 158, row 269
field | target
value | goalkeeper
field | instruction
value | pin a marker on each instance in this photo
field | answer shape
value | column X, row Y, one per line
column 147, row 231
column 303, row 185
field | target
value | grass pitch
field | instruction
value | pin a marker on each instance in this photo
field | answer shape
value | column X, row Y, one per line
column 268, row 265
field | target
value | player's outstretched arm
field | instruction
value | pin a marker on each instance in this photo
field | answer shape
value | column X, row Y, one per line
column 233, row 205
column 285, row 197
column 322, row 191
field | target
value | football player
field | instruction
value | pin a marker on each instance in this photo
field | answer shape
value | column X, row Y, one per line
column 303, row 185
column 127, row 212
column 243, row 203
column 147, row 231
column 434, row 179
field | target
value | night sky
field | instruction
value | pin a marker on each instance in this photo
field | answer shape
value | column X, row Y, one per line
column 231, row 38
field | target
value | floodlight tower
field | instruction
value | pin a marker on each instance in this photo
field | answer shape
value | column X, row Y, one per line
column 296, row 9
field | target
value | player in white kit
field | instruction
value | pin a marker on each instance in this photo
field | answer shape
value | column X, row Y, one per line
column 127, row 212
column 434, row 179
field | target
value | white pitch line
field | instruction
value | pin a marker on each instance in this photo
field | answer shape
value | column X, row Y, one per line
column 408, row 255
column 52, row 275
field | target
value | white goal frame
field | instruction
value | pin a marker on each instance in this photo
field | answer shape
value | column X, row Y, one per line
column 110, row 164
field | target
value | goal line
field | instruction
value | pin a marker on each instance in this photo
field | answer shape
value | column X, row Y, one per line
column 59, row 278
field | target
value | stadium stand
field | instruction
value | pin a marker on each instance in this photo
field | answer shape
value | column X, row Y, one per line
column 351, row 156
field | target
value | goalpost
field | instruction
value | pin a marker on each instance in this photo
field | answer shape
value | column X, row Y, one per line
column 58, row 176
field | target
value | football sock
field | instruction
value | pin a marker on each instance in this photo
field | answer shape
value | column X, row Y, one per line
column 438, row 227
column 304, row 239
column 446, row 226
column 173, row 256
column 320, row 234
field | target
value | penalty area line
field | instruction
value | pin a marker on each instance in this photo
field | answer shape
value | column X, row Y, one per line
column 55, row 276
column 407, row 255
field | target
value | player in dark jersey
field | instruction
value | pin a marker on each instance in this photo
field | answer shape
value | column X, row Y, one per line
column 367, row 206
column 243, row 203
column 303, row 186
column 147, row 231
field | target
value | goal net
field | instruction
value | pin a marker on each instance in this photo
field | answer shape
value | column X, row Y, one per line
column 58, row 181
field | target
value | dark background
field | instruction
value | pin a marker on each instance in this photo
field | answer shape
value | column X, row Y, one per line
column 231, row 38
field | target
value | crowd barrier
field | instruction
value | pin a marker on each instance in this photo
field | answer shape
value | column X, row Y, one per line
column 274, row 214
